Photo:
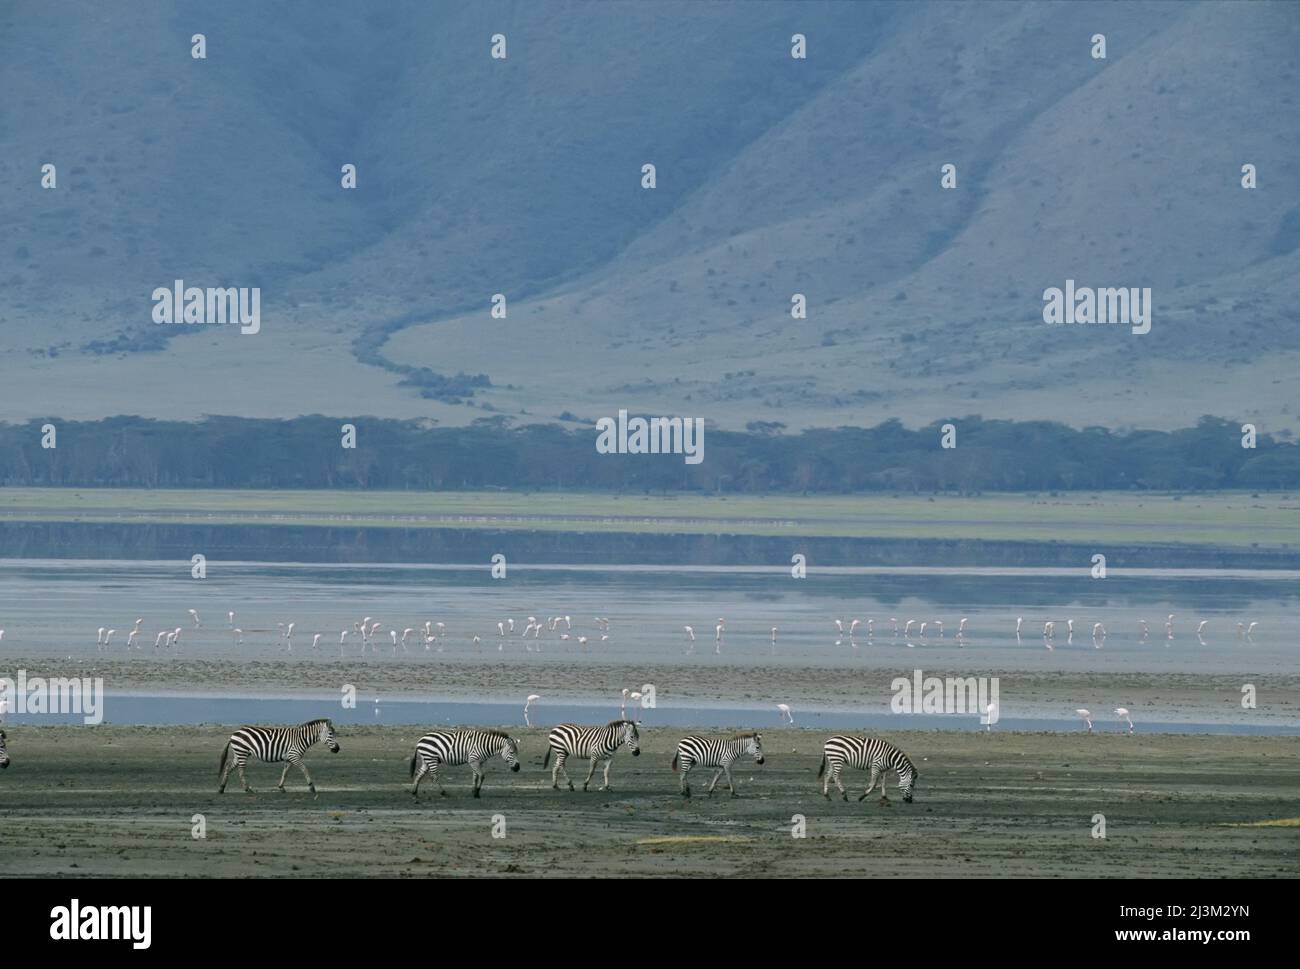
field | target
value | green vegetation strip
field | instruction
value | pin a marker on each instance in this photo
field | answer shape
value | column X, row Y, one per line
column 1228, row 519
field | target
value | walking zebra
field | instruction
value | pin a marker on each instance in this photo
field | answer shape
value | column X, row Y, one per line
column 4, row 754
column 273, row 745
column 599, row 743
column 716, row 752
column 866, row 753
column 456, row 747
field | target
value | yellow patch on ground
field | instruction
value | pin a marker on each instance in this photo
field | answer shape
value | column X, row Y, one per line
column 1277, row 823
column 692, row 839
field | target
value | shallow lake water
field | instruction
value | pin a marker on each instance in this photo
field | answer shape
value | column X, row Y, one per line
column 52, row 609
column 190, row 709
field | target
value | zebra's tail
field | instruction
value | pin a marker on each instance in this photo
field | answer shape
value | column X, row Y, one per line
column 675, row 756
column 822, row 769
column 547, row 759
column 413, row 759
column 224, row 755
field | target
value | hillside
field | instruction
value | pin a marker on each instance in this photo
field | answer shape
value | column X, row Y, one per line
column 775, row 176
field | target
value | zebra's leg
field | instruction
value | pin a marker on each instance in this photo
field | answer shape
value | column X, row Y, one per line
column 243, row 781
column 826, row 781
column 609, row 763
column 419, row 773
column 435, row 769
column 302, row 766
column 712, row 787
column 839, row 783
column 875, row 772
column 730, row 783
column 884, row 798
column 685, row 768
column 221, row 788
column 560, row 758
column 283, row 774
column 590, row 772
column 477, row 768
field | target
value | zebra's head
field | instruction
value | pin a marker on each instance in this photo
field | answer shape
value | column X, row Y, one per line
column 510, row 752
column 327, row 736
column 632, row 737
column 907, row 781
column 754, row 747
column 4, row 754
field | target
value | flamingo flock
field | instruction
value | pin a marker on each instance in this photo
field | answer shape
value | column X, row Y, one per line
column 433, row 635
column 1121, row 714
column 536, row 631
column 915, row 631
column 1144, row 631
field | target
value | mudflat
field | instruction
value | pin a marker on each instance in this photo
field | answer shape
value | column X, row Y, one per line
column 122, row 801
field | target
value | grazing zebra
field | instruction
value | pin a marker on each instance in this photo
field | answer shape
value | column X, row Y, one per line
column 4, row 754
column 599, row 743
column 716, row 752
column 456, row 747
column 273, row 745
column 866, row 753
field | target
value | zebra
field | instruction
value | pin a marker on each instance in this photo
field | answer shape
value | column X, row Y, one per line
column 866, row 753
column 4, row 754
column 456, row 747
column 716, row 752
column 598, row 743
column 275, row 744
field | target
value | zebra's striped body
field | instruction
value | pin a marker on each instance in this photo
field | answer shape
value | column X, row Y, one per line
column 273, row 745
column 866, row 753
column 597, row 743
column 4, row 754
column 456, row 747
column 716, row 752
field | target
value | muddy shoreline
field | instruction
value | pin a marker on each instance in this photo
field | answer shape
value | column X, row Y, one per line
column 122, row 801
column 1151, row 696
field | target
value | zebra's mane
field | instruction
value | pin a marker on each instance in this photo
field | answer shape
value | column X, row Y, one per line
column 744, row 735
column 619, row 723
column 895, row 755
column 501, row 734
column 901, row 759
column 316, row 723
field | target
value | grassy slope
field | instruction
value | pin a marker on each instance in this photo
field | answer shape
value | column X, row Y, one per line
column 776, row 176
column 119, row 802
column 1235, row 519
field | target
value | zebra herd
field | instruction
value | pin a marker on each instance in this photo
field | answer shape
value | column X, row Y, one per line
column 457, row 747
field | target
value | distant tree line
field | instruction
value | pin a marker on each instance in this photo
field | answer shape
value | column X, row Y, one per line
column 224, row 452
